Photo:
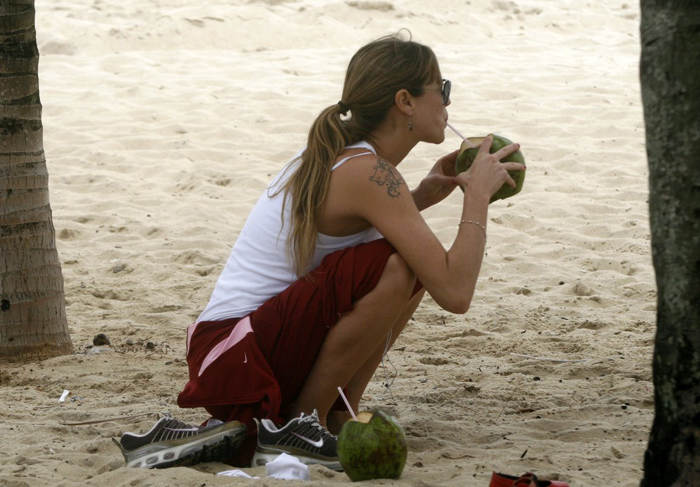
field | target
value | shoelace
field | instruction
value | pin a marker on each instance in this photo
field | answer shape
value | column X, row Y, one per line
column 177, row 429
column 312, row 420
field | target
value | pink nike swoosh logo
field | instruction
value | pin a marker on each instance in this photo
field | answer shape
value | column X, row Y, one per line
column 317, row 443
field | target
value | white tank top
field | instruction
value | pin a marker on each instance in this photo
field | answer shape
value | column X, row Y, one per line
column 257, row 267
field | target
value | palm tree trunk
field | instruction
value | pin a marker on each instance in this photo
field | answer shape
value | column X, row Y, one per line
column 670, row 76
column 32, row 304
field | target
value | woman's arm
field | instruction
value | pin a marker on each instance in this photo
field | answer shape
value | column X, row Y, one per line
column 375, row 191
column 438, row 183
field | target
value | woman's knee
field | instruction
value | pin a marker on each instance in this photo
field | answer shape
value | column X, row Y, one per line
column 398, row 274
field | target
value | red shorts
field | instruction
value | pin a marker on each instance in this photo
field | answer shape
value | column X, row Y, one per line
column 254, row 367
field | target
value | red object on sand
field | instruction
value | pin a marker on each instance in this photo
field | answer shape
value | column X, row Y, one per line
column 526, row 480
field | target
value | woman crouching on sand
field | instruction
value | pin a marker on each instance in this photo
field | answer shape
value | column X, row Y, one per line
column 331, row 263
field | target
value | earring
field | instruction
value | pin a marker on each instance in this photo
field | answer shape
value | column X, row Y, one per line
column 410, row 125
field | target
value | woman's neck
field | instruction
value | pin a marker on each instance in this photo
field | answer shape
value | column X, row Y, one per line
column 391, row 143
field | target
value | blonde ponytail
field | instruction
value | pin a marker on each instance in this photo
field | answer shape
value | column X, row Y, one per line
column 308, row 186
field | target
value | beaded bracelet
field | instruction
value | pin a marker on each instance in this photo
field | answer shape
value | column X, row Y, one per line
column 474, row 222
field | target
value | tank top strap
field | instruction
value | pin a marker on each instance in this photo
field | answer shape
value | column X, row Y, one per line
column 362, row 144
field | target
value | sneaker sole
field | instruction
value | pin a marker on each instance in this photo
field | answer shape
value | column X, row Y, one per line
column 261, row 458
column 215, row 445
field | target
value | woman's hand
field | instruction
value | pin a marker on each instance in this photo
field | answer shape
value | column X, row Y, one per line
column 438, row 184
column 487, row 173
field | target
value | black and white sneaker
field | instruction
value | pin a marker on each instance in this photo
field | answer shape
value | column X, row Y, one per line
column 172, row 443
column 302, row 437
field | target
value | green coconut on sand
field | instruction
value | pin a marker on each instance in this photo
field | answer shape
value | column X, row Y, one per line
column 373, row 447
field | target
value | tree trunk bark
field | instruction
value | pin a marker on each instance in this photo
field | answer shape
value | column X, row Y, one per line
column 32, row 304
column 670, row 77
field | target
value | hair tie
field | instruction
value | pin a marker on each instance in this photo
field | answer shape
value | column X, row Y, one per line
column 343, row 108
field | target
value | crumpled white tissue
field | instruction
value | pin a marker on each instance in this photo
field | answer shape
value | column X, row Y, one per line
column 236, row 473
column 287, row 467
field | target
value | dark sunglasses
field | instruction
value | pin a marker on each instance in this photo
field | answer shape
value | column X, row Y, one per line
column 444, row 91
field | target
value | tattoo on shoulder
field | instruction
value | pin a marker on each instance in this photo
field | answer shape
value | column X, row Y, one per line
column 386, row 175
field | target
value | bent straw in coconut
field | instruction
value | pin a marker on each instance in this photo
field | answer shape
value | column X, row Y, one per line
column 345, row 399
column 460, row 135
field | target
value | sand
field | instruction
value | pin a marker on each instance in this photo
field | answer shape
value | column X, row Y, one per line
column 164, row 120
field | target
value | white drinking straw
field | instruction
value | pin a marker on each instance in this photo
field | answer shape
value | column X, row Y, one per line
column 345, row 399
column 460, row 135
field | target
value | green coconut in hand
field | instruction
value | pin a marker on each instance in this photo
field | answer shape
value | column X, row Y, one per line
column 373, row 447
column 467, row 154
